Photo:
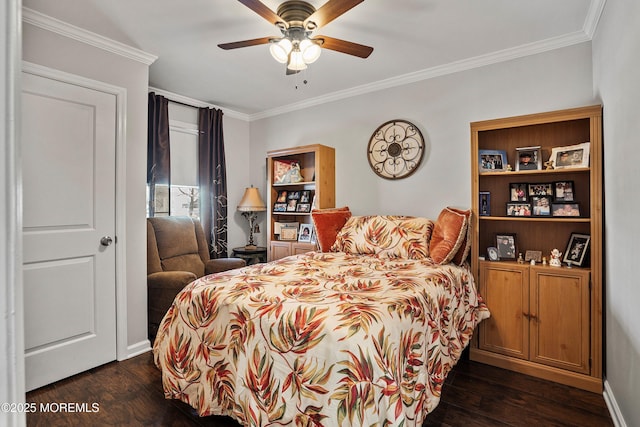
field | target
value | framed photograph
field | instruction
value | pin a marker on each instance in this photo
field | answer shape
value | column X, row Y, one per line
column 282, row 196
column 288, row 233
column 541, row 205
column 303, row 207
column 293, row 195
column 518, row 192
column 291, row 205
column 506, row 245
column 565, row 209
column 280, row 207
column 544, row 189
column 533, row 255
column 563, row 191
column 484, row 207
column 314, row 238
column 571, row 156
column 305, row 196
column 304, row 235
column 492, row 160
column 577, row 250
column 492, row 253
column 286, row 172
column 518, row 209
column 528, row 158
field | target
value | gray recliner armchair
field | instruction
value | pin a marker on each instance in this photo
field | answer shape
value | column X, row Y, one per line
column 177, row 254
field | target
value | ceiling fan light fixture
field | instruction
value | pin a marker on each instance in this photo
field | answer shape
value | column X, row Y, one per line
column 310, row 51
column 296, row 62
column 280, row 50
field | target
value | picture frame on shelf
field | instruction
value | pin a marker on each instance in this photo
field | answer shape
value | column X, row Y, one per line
column 305, row 196
column 314, row 237
column 492, row 253
column 484, row 204
column 563, row 191
column 279, row 207
column 282, row 196
column 492, row 160
column 533, row 255
column 528, row 158
column 289, row 233
column 540, row 189
column 294, row 194
column 303, row 207
column 286, row 172
column 304, row 234
column 518, row 192
column 571, row 156
column 518, row 209
column 565, row 209
column 576, row 253
column 291, row 205
column 541, row 205
column 506, row 245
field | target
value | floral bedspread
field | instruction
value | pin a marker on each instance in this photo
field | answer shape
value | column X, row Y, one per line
column 325, row 339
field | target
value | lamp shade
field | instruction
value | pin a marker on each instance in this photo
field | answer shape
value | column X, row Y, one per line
column 251, row 201
column 280, row 51
column 310, row 51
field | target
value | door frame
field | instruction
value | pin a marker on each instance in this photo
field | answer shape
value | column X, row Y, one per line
column 120, row 173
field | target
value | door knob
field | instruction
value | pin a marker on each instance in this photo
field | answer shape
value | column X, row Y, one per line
column 106, row 241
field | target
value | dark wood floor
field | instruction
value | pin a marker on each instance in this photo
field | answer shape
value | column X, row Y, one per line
column 129, row 393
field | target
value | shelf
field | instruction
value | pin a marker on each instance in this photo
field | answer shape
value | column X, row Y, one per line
column 534, row 219
column 290, row 184
column 536, row 172
column 291, row 213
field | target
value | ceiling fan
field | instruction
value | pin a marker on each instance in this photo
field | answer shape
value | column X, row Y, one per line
column 296, row 20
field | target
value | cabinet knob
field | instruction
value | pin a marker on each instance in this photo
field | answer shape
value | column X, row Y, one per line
column 525, row 314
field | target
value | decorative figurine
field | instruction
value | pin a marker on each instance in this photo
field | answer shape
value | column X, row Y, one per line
column 555, row 258
column 548, row 165
column 544, row 260
column 533, row 261
column 520, row 259
column 509, row 168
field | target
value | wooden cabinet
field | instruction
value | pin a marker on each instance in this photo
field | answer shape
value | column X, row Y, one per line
column 538, row 313
column 317, row 168
column 545, row 321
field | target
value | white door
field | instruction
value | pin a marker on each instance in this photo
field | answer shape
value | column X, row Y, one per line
column 68, row 167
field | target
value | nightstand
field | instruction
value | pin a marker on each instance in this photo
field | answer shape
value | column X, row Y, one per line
column 252, row 256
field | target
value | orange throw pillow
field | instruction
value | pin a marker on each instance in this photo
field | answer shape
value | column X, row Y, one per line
column 461, row 256
column 328, row 222
column 448, row 236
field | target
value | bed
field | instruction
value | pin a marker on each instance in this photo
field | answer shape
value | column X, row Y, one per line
column 356, row 335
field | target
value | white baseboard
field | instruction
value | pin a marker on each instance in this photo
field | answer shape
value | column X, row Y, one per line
column 138, row 349
column 614, row 409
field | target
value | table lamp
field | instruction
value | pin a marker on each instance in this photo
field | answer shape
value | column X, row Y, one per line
column 250, row 204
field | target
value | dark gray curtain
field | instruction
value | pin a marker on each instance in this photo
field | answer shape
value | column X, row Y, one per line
column 213, row 180
column 158, row 156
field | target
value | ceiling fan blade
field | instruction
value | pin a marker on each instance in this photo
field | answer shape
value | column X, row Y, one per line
column 262, row 10
column 245, row 43
column 344, row 46
column 330, row 11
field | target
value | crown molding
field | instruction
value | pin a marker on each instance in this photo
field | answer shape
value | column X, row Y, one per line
column 57, row 26
column 429, row 73
column 593, row 17
column 196, row 103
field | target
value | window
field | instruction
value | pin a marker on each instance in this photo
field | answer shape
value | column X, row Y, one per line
column 183, row 198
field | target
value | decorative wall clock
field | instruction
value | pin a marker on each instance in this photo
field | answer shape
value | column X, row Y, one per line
column 395, row 149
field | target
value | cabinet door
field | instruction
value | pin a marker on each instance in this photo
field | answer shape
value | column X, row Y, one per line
column 505, row 288
column 560, row 318
column 301, row 248
column 279, row 250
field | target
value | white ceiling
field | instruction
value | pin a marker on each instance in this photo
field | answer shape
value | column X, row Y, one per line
column 412, row 40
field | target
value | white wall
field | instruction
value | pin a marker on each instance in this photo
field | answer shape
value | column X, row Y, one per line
column 442, row 108
column 55, row 51
column 616, row 61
